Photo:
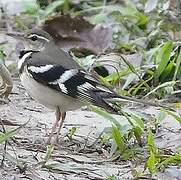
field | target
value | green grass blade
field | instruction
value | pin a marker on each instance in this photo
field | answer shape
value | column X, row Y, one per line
column 178, row 64
column 48, row 154
column 151, row 144
column 7, row 135
column 151, row 163
column 118, row 138
column 177, row 117
column 166, row 84
column 163, row 58
column 174, row 159
column 106, row 115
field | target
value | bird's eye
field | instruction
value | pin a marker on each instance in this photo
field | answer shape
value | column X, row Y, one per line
column 33, row 37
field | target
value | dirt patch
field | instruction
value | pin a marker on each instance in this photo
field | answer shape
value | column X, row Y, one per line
column 71, row 159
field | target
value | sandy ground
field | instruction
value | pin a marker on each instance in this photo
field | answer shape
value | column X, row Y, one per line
column 72, row 159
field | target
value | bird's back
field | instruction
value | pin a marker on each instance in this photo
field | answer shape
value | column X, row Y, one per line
column 59, row 57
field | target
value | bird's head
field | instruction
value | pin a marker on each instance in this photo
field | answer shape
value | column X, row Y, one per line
column 34, row 39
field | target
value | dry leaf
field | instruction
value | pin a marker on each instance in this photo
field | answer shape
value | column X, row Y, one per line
column 78, row 33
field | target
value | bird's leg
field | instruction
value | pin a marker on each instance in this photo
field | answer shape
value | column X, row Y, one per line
column 63, row 115
column 58, row 116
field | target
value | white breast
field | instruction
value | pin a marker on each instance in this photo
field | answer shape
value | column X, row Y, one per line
column 47, row 96
column 22, row 60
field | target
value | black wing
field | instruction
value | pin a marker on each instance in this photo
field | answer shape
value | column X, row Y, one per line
column 72, row 82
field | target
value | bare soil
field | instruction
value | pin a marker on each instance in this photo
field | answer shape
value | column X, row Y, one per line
column 71, row 159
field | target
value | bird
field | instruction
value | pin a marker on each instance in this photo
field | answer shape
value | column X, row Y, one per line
column 55, row 80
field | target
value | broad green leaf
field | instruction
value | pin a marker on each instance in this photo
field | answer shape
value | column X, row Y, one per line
column 167, row 72
column 137, row 133
column 163, row 58
column 134, row 120
column 138, row 121
column 151, row 144
column 118, row 138
column 151, row 163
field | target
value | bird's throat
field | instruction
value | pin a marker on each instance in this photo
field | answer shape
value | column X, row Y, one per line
column 24, row 55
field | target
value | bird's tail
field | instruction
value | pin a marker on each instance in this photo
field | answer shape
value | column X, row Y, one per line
column 107, row 102
column 134, row 100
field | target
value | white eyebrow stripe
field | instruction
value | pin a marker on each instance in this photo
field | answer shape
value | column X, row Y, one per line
column 39, row 37
column 40, row 69
column 22, row 60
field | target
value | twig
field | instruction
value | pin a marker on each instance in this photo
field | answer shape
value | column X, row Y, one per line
column 86, row 162
column 144, row 177
column 9, row 123
column 32, row 109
